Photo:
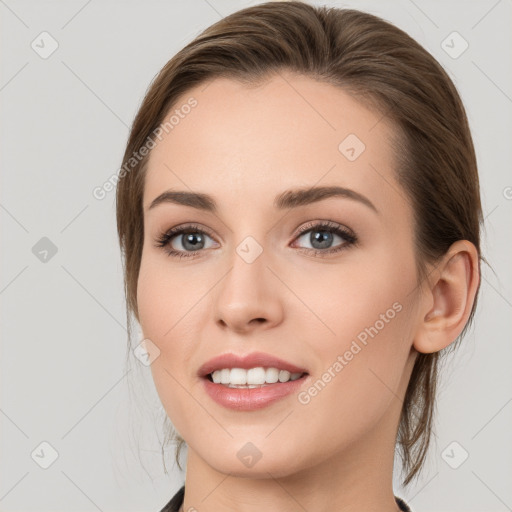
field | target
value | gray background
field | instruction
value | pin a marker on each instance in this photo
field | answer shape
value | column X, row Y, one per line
column 65, row 121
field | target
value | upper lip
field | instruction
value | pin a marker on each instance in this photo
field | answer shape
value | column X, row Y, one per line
column 252, row 360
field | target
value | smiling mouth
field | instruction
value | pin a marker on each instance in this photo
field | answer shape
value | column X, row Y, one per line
column 251, row 389
column 292, row 378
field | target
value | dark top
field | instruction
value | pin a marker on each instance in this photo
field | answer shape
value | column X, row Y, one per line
column 177, row 500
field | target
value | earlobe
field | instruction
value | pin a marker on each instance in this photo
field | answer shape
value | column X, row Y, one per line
column 449, row 298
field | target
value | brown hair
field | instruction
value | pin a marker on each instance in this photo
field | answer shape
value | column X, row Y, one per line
column 381, row 65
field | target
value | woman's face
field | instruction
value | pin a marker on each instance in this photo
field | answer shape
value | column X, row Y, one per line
column 340, row 306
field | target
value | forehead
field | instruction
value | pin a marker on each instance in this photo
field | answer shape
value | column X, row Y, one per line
column 250, row 142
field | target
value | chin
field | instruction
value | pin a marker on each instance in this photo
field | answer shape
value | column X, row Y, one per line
column 252, row 460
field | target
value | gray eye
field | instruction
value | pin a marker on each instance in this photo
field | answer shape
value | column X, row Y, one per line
column 319, row 238
column 190, row 241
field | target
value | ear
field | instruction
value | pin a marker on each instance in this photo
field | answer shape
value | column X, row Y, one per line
column 448, row 298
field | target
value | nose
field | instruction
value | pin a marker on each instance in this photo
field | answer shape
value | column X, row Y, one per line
column 248, row 297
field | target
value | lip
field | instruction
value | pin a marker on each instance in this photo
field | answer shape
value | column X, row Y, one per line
column 251, row 399
column 252, row 360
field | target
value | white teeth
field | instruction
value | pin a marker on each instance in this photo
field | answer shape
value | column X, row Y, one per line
column 284, row 376
column 253, row 377
column 224, row 376
column 271, row 375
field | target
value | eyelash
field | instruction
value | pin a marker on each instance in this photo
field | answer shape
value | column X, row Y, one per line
column 163, row 241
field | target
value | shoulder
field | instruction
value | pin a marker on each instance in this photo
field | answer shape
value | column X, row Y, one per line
column 176, row 501
column 402, row 505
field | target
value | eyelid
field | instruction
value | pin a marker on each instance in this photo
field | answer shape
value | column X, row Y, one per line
column 190, row 226
column 195, row 226
column 320, row 223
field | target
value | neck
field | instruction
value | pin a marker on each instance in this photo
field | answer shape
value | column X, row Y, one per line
column 352, row 478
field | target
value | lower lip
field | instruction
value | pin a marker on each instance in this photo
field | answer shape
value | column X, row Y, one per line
column 250, row 399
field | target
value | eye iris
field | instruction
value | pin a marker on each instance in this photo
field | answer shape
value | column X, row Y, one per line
column 193, row 239
column 324, row 238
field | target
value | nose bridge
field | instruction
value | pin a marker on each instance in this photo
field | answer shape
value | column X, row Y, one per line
column 247, row 292
column 246, row 280
column 248, row 240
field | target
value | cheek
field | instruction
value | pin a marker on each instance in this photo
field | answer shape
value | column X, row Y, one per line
column 360, row 366
column 367, row 293
column 163, row 297
column 366, row 312
column 168, row 302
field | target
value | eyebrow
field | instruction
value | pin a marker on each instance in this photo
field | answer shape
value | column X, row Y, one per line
column 288, row 199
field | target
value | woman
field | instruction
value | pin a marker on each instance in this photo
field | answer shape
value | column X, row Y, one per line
column 299, row 214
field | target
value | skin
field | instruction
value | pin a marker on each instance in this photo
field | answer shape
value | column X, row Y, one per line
column 244, row 145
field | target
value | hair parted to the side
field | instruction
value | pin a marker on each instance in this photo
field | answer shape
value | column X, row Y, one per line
column 384, row 68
